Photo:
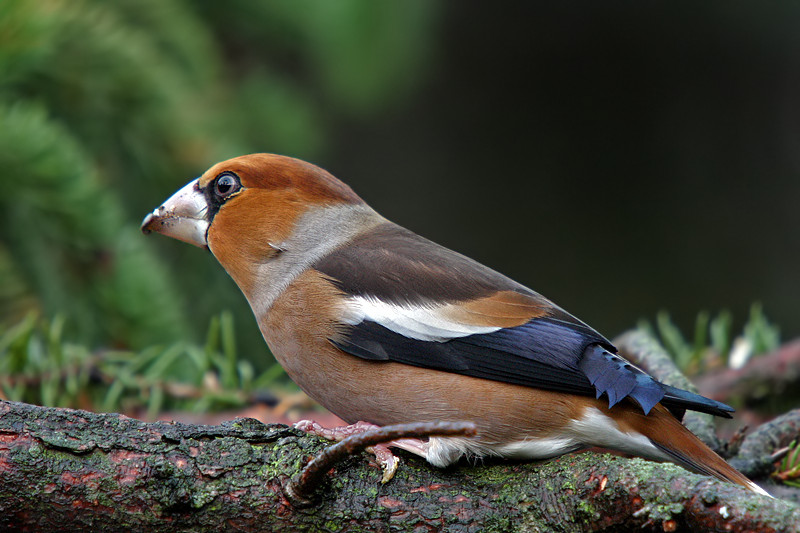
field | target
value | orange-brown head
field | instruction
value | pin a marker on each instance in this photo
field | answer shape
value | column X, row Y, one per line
column 252, row 210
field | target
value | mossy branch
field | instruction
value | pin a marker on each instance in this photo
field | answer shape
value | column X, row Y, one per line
column 63, row 469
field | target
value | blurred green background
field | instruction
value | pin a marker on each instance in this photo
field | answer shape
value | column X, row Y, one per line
column 618, row 157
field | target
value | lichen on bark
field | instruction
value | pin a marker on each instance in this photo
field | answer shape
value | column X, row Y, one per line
column 67, row 470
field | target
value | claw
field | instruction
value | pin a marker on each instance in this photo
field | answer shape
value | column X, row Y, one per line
column 300, row 490
column 386, row 460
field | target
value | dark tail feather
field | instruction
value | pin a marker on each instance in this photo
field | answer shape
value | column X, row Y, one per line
column 678, row 399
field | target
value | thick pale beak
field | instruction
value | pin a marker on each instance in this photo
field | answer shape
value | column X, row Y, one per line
column 182, row 216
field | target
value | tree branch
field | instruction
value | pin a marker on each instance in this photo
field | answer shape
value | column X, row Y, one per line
column 63, row 469
column 765, row 376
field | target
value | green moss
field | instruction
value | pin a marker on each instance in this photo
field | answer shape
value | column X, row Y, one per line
column 497, row 524
column 333, row 525
column 587, row 509
column 666, row 511
column 267, row 471
column 36, row 450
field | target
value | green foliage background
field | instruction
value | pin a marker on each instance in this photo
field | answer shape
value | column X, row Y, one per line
column 108, row 107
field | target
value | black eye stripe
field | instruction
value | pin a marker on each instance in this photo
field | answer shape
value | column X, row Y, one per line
column 219, row 190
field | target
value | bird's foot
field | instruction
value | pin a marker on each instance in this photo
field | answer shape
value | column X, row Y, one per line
column 383, row 455
column 338, row 433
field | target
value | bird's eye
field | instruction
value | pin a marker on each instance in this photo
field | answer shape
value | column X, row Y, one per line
column 225, row 185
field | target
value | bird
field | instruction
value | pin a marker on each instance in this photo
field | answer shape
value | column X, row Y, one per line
column 382, row 326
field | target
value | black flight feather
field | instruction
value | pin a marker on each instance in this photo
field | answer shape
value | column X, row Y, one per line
column 542, row 353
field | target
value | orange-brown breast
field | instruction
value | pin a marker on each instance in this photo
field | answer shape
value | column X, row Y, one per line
column 297, row 330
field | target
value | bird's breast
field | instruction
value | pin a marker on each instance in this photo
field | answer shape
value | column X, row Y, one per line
column 298, row 330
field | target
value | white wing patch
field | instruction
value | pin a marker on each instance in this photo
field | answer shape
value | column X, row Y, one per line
column 424, row 323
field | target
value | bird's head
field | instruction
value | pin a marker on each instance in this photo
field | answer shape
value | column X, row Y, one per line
column 246, row 210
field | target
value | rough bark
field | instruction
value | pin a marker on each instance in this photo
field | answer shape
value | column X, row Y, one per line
column 66, row 470
column 63, row 470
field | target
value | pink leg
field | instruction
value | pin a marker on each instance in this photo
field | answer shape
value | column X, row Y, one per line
column 338, row 433
column 383, row 456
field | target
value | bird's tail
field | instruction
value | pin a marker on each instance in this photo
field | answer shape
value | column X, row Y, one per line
column 682, row 447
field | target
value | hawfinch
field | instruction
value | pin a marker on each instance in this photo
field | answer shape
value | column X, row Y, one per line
column 381, row 325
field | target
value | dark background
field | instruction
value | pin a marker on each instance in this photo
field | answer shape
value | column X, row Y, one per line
column 618, row 157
